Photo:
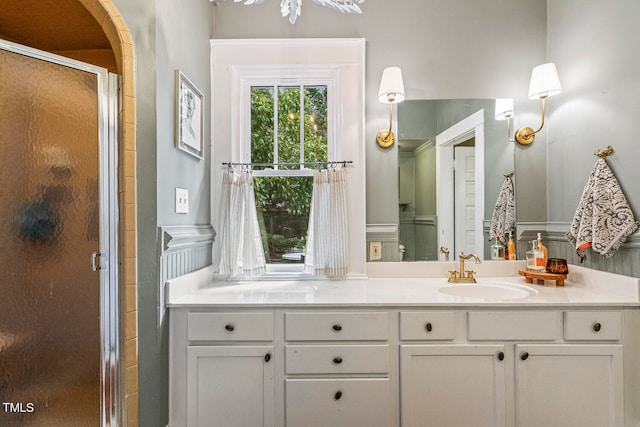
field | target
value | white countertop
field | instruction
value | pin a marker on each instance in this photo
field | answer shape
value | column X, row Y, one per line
column 584, row 287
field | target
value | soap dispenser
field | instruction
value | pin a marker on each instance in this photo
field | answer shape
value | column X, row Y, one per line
column 535, row 258
column 497, row 250
column 544, row 251
column 511, row 248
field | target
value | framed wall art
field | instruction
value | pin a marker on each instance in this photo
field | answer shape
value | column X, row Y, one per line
column 189, row 116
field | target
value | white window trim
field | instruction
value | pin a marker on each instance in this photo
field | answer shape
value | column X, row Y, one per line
column 341, row 61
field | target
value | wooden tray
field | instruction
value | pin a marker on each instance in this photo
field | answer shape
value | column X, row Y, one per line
column 530, row 275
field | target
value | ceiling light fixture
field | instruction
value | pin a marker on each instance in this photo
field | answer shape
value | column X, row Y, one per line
column 293, row 8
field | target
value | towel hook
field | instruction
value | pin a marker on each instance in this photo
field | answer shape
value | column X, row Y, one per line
column 508, row 174
column 604, row 153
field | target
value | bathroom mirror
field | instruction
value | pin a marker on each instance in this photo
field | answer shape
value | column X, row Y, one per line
column 431, row 133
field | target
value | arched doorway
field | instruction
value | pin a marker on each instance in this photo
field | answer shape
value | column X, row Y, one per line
column 93, row 31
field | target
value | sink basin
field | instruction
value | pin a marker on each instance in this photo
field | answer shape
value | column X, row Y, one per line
column 489, row 291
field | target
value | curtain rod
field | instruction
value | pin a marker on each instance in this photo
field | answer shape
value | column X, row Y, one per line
column 330, row 162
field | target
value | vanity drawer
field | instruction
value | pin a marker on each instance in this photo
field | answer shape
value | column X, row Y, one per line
column 337, row 359
column 230, row 326
column 514, row 325
column 337, row 326
column 427, row 325
column 592, row 325
column 338, row 402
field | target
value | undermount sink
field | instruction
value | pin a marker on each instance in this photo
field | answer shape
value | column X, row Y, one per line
column 489, row 291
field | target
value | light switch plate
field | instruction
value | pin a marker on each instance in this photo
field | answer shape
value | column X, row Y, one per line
column 375, row 251
column 182, row 200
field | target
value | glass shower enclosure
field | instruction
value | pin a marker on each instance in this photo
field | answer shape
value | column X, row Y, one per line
column 58, row 224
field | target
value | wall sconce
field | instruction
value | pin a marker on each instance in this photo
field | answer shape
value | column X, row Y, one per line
column 544, row 83
column 504, row 111
column 391, row 92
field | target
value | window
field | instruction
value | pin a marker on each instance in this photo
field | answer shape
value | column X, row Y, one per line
column 289, row 129
column 238, row 65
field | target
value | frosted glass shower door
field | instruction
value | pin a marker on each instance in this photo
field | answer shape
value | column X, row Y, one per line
column 52, row 210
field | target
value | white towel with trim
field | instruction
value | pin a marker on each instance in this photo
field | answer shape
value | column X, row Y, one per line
column 503, row 219
column 603, row 219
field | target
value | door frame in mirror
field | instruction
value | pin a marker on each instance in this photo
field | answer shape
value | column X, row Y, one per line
column 471, row 126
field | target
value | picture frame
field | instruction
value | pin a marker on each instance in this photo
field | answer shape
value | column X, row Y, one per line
column 189, row 121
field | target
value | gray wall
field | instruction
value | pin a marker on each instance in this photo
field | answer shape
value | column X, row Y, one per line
column 166, row 35
column 594, row 46
column 600, row 74
column 452, row 49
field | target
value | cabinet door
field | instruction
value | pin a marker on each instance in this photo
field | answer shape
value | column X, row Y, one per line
column 344, row 402
column 453, row 385
column 230, row 386
column 569, row 385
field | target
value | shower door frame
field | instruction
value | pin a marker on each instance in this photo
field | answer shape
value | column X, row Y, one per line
column 109, row 102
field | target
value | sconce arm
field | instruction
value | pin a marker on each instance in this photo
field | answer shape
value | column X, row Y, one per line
column 544, row 103
column 509, row 130
column 526, row 135
column 385, row 138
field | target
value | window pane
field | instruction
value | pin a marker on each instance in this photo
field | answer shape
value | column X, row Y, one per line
column 315, row 123
column 312, row 142
column 283, row 212
column 289, row 126
column 262, row 102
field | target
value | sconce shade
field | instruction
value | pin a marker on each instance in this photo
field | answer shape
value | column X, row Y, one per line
column 391, row 86
column 544, row 81
column 504, row 108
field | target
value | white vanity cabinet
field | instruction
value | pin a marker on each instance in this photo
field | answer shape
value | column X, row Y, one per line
column 408, row 366
column 573, row 384
column 569, row 385
column 512, row 368
column 453, row 385
column 230, row 386
column 223, row 370
column 337, row 367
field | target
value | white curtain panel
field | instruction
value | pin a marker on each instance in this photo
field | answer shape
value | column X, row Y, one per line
column 327, row 235
column 242, row 253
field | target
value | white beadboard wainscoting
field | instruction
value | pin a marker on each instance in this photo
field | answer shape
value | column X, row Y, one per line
column 182, row 249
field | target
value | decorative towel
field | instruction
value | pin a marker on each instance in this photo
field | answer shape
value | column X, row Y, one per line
column 503, row 219
column 603, row 219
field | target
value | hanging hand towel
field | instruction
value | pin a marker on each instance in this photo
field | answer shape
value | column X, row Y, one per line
column 603, row 219
column 503, row 219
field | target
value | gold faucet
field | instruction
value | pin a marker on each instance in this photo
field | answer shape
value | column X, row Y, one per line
column 460, row 277
column 445, row 251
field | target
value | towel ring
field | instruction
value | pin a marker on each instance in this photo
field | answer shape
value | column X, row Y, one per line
column 604, row 153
